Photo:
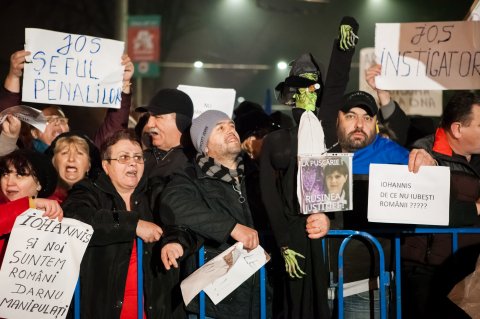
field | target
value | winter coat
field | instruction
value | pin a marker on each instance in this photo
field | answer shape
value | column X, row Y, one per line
column 434, row 249
column 104, row 267
column 210, row 208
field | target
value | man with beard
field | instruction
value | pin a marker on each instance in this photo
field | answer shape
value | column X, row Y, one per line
column 357, row 134
column 208, row 198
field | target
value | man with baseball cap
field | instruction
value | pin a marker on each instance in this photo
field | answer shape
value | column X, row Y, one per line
column 357, row 134
column 208, row 199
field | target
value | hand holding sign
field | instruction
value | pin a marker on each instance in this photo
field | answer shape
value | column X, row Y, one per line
column 72, row 69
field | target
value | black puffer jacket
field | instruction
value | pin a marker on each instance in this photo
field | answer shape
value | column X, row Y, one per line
column 211, row 208
column 464, row 192
column 104, row 268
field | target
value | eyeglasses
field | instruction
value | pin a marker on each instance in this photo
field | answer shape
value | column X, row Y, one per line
column 53, row 119
column 124, row 159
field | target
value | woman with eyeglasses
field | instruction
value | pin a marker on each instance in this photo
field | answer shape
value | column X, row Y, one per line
column 27, row 180
column 116, row 206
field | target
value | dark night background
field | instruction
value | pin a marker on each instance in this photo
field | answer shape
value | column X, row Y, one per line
column 219, row 31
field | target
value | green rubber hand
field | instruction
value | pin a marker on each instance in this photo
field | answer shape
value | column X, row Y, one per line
column 291, row 263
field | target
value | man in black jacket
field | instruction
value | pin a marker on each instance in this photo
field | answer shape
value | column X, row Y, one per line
column 171, row 113
column 209, row 199
column 429, row 269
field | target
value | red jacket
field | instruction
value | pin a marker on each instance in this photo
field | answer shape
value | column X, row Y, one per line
column 8, row 213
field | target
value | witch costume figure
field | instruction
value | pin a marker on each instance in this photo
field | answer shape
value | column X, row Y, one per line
column 306, row 275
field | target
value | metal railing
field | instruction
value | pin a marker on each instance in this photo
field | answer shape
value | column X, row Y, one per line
column 384, row 277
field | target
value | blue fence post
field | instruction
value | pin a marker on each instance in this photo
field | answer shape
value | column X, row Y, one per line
column 263, row 294
column 76, row 300
column 139, row 278
column 201, row 261
column 398, row 278
column 384, row 278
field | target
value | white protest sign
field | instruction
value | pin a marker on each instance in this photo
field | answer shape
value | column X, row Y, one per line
column 224, row 273
column 41, row 266
column 26, row 114
column 396, row 195
column 72, row 69
column 412, row 102
column 205, row 99
column 428, row 56
column 474, row 12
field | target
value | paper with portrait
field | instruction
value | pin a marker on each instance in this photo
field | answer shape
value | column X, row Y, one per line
column 325, row 183
column 26, row 114
column 224, row 273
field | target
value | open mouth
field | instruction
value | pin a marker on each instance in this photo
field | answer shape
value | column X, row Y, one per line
column 131, row 173
column 71, row 169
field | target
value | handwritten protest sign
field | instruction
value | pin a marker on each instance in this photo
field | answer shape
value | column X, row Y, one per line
column 428, row 56
column 72, row 69
column 205, row 99
column 224, row 273
column 41, row 266
column 26, row 114
column 325, row 183
column 412, row 102
column 396, row 195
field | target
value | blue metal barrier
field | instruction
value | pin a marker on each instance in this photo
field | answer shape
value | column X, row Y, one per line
column 397, row 234
column 263, row 295
column 384, row 276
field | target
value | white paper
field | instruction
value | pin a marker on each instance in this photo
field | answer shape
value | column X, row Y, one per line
column 41, row 266
column 412, row 102
column 72, row 69
column 396, row 195
column 205, row 98
column 26, row 114
column 428, row 55
column 224, row 273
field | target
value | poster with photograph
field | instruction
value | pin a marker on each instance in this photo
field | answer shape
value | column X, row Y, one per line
column 325, row 183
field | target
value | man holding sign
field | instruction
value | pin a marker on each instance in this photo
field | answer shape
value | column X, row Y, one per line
column 456, row 144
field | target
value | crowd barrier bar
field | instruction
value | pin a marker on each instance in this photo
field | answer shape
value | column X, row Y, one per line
column 384, row 276
column 263, row 294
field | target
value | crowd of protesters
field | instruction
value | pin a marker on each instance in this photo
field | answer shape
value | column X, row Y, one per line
column 180, row 183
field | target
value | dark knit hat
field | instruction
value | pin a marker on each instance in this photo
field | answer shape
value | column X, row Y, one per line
column 202, row 127
column 93, row 152
column 362, row 100
column 256, row 123
column 169, row 101
column 246, row 107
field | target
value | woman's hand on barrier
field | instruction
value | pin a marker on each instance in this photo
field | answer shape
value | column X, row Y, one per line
column 148, row 232
column 170, row 253
column 51, row 207
column 318, row 225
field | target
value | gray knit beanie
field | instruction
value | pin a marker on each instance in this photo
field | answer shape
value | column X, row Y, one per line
column 202, row 127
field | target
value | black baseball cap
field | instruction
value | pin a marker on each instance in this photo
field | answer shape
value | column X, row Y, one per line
column 362, row 100
column 168, row 101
